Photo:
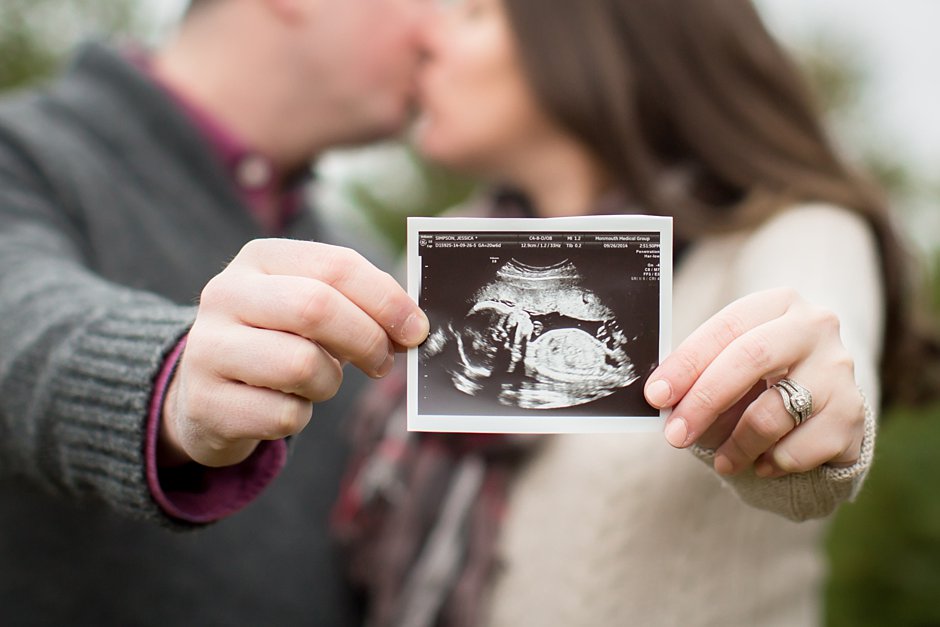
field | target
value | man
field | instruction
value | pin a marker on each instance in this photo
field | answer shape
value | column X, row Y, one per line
column 125, row 188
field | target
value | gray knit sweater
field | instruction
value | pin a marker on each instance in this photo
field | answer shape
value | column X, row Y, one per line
column 113, row 215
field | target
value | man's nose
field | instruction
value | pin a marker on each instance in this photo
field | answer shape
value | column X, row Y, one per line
column 429, row 26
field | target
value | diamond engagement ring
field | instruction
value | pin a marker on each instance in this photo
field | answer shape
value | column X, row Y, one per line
column 797, row 400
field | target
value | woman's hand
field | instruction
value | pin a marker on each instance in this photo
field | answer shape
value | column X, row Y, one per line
column 717, row 383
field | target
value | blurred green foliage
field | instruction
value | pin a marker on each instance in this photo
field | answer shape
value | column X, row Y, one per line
column 35, row 35
column 885, row 547
column 441, row 189
column 834, row 72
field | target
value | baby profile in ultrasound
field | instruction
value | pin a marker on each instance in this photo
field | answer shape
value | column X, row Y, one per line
column 534, row 338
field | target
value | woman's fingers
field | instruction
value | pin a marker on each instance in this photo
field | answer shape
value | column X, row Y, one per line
column 711, row 379
column 763, row 352
column 831, row 436
column 724, row 425
column 768, row 435
column 762, row 425
column 676, row 375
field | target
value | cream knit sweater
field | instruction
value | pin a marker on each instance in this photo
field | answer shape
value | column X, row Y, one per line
column 624, row 530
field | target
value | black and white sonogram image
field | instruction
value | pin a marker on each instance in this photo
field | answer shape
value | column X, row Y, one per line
column 538, row 323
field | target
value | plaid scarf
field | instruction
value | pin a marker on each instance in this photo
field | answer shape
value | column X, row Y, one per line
column 419, row 513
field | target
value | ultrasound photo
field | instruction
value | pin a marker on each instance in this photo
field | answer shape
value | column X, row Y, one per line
column 538, row 325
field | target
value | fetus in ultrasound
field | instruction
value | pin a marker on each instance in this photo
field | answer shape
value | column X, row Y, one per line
column 535, row 338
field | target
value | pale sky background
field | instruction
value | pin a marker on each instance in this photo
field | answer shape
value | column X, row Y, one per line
column 896, row 42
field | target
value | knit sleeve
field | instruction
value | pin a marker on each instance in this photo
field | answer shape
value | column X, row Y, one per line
column 829, row 255
column 78, row 356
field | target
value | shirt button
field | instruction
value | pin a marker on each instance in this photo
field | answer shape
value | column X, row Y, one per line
column 254, row 172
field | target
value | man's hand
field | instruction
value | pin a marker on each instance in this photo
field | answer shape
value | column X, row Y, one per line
column 271, row 336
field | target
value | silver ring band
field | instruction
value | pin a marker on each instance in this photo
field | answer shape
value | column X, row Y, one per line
column 797, row 400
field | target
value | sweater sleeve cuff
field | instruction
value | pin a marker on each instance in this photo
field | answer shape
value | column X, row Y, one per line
column 807, row 495
column 196, row 494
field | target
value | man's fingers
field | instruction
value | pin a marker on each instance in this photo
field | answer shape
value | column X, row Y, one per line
column 372, row 290
column 673, row 379
column 227, row 419
column 270, row 337
column 308, row 308
column 275, row 360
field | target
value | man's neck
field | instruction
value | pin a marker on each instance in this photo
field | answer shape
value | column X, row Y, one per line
column 232, row 81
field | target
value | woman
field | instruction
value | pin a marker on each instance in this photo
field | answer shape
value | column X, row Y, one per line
column 788, row 271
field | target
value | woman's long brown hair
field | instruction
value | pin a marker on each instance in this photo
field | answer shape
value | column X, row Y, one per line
column 698, row 113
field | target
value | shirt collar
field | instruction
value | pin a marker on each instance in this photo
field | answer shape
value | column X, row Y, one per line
column 273, row 195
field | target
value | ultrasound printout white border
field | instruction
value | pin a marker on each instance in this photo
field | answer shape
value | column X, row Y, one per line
column 532, row 422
